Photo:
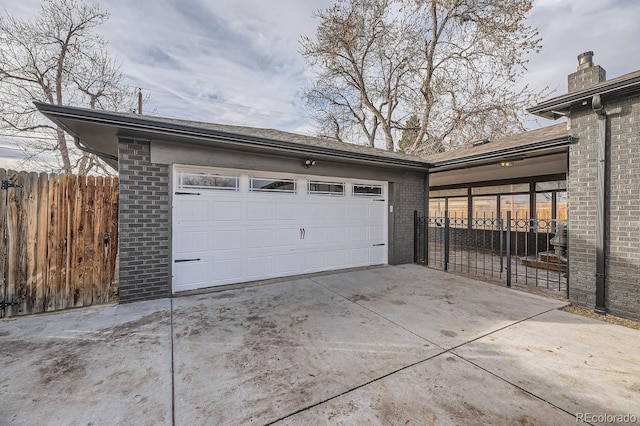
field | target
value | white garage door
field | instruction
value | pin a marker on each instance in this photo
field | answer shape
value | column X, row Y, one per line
column 233, row 226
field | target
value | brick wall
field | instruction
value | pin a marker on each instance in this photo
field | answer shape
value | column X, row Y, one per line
column 622, row 294
column 582, row 193
column 144, row 224
column 622, row 241
column 409, row 196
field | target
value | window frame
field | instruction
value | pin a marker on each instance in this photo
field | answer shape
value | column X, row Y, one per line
column 334, row 194
column 181, row 174
column 253, row 179
column 366, row 185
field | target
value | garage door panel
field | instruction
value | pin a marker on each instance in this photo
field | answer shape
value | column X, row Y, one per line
column 376, row 234
column 359, row 256
column 226, row 239
column 358, row 233
column 287, row 211
column 191, row 211
column 286, row 237
column 190, row 242
column 260, row 211
column 315, row 261
column 377, row 255
column 314, row 211
column 258, row 238
column 337, row 234
column 337, row 259
column 337, row 211
column 287, row 263
column 314, row 235
column 226, row 270
column 225, row 210
column 191, row 275
column 377, row 211
column 259, row 267
column 358, row 211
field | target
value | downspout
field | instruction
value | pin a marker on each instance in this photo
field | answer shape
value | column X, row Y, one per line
column 76, row 141
column 596, row 105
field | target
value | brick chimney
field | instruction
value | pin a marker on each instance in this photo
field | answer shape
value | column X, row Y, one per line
column 587, row 75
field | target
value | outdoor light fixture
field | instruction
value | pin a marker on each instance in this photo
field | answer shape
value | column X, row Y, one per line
column 506, row 163
column 308, row 163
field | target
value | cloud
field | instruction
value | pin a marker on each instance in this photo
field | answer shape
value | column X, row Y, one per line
column 608, row 28
column 158, row 58
column 232, row 62
column 237, row 62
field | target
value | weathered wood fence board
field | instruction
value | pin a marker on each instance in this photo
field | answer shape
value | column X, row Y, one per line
column 58, row 242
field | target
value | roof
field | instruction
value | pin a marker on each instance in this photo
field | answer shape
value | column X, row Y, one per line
column 625, row 85
column 282, row 136
column 100, row 130
column 519, row 144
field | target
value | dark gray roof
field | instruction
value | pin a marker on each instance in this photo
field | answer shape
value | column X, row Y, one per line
column 521, row 143
column 282, row 136
column 100, row 130
column 625, row 85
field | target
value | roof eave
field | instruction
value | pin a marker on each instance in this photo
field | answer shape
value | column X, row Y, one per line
column 559, row 106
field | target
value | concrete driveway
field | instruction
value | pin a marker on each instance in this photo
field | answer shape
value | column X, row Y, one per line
column 390, row 345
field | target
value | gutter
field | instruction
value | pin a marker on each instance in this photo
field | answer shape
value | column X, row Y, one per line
column 596, row 105
column 78, row 143
column 524, row 149
column 550, row 108
column 134, row 123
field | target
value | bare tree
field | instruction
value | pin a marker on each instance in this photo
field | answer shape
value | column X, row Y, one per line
column 455, row 64
column 409, row 133
column 57, row 58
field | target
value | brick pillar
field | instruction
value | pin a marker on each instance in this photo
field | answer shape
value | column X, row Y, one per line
column 144, row 224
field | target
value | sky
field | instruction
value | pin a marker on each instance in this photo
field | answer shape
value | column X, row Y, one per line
column 238, row 62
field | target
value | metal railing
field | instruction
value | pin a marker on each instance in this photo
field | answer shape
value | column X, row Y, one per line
column 514, row 251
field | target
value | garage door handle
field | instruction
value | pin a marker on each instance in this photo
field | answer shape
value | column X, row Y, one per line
column 187, row 193
column 378, row 244
column 302, row 233
column 186, row 260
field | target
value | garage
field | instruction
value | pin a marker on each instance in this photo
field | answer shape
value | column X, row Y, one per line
column 232, row 226
column 206, row 204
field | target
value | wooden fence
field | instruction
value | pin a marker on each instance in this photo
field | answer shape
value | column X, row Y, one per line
column 58, row 241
